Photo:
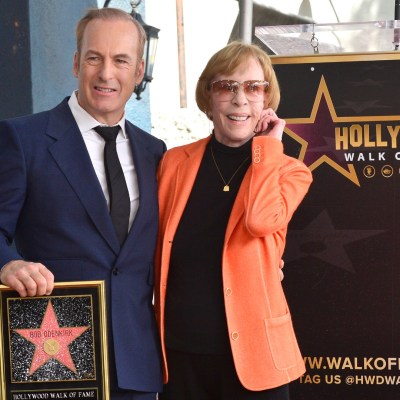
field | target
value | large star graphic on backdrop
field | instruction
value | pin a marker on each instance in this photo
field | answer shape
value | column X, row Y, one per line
column 316, row 134
column 51, row 341
column 322, row 240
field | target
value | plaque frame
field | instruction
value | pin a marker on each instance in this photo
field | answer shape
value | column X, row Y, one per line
column 76, row 324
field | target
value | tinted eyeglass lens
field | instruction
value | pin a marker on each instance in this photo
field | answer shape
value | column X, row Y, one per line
column 228, row 89
column 225, row 89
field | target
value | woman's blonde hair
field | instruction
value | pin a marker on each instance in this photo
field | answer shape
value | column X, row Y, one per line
column 226, row 61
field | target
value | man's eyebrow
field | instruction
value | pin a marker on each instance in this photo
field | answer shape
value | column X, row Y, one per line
column 92, row 52
column 123, row 55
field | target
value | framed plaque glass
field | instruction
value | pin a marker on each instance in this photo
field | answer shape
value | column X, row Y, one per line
column 54, row 347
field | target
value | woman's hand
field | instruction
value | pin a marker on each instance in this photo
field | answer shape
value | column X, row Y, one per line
column 270, row 125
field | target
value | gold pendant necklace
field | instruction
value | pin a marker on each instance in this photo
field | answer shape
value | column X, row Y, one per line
column 226, row 184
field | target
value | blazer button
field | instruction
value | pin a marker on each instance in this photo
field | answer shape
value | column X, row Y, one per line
column 115, row 271
column 228, row 291
column 235, row 335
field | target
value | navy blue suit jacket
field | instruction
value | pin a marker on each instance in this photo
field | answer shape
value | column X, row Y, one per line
column 52, row 205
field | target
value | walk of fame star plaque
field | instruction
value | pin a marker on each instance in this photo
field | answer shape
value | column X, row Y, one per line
column 54, row 347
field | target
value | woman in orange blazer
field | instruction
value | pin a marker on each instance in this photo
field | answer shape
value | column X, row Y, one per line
column 225, row 204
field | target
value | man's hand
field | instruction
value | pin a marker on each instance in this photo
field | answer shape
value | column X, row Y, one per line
column 27, row 278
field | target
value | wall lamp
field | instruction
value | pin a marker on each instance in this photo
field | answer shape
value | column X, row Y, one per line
column 150, row 48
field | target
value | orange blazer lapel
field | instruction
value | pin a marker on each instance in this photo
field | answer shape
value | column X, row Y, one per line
column 238, row 205
column 182, row 171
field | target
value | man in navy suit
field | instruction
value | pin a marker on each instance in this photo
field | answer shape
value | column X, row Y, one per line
column 54, row 199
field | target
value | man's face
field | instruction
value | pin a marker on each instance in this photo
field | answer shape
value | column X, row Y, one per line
column 107, row 68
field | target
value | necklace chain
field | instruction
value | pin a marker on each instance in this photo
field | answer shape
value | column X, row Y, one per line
column 226, row 184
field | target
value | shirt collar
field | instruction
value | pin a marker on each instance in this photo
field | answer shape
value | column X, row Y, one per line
column 84, row 120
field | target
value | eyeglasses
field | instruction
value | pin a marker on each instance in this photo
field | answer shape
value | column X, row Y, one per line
column 226, row 90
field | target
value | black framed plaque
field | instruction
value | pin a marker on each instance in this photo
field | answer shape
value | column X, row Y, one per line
column 54, row 347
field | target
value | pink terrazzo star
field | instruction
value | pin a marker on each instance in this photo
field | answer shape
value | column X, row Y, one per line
column 51, row 341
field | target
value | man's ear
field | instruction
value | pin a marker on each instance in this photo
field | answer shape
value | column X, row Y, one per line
column 76, row 64
column 139, row 72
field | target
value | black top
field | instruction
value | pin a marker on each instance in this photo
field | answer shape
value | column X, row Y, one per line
column 195, row 315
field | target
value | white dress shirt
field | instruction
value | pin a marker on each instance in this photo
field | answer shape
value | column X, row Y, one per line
column 95, row 146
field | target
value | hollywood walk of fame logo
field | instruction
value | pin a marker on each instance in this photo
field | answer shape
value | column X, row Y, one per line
column 324, row 136
column 44, row 350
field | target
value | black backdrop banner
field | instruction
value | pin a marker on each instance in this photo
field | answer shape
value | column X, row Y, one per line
column 342, row 259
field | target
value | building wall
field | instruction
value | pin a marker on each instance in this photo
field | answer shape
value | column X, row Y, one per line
column 15, row 58
column 52, row 38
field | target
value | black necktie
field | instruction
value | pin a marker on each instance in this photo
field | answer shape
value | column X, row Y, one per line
column 118, row 191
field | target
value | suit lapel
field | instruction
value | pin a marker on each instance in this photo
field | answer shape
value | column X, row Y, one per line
column 70, row 153
column 145, row 166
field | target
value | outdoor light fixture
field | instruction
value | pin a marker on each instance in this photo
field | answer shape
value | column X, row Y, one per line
column 149, row 48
